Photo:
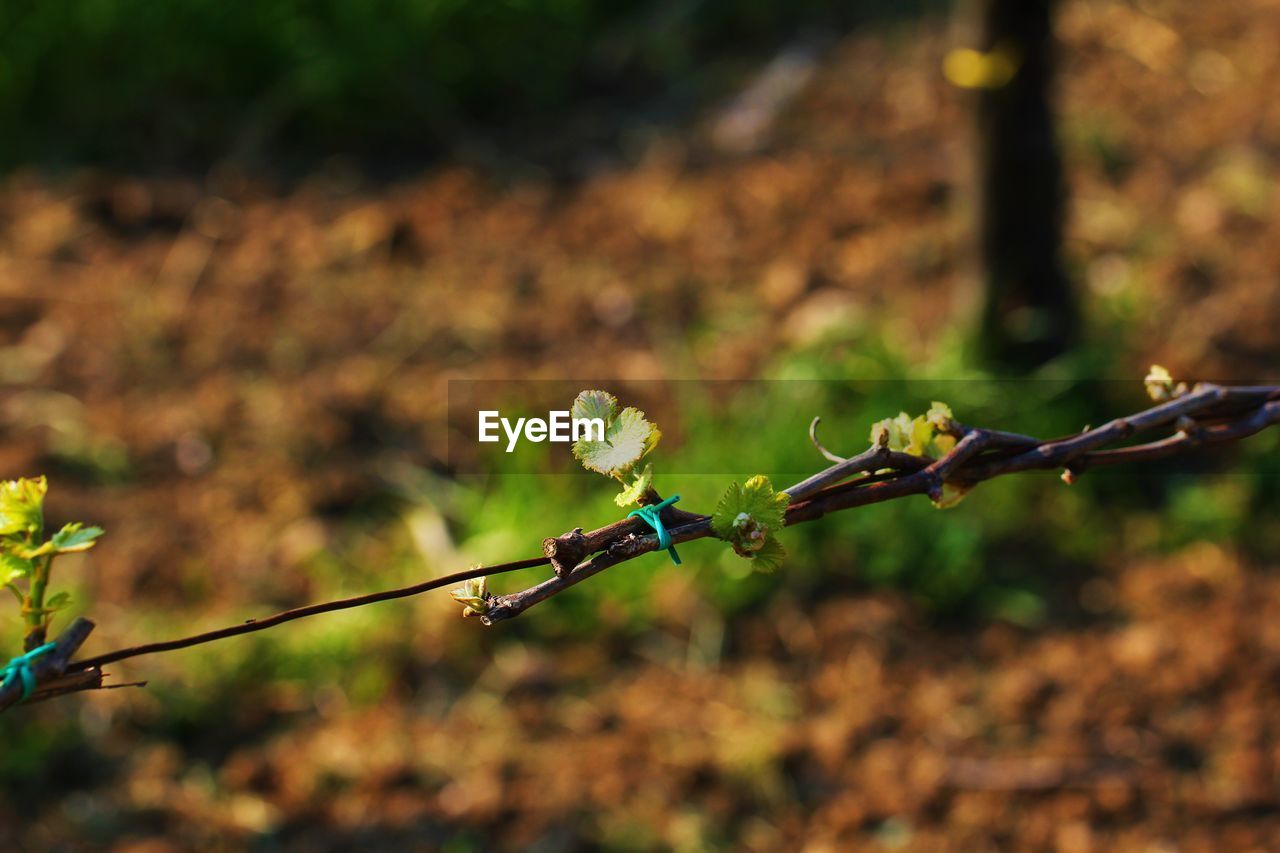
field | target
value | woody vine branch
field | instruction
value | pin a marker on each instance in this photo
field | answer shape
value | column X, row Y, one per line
column 933, row 455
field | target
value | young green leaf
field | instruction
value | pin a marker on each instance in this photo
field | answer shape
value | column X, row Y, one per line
column 756, row 500
column 941, row 445
column 57, row 601
column 13, row 567
column 473, row 595
column 75, row 537
column 939, row 416
column 924, row 435
column 22, row 507
column 1161, row 385
column 635, row 491
column 595, row 404
column 748, row 516
column 921, row 434
column 627, row 438
column 770, row 555
column 893, row 433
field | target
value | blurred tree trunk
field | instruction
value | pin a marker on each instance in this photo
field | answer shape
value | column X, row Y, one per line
column 1029, row 313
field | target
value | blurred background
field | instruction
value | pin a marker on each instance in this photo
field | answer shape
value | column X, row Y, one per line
column 244, row 250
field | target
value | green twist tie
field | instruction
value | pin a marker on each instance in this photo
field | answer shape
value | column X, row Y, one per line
column 651, row 515
column 20, row 667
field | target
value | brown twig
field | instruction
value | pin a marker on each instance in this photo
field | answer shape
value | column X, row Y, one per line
column 1209, row 414
column 875, row 459
column 253, row 625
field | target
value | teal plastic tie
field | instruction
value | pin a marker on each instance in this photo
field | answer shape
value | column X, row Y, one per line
column 20, row 667
column 652, row 516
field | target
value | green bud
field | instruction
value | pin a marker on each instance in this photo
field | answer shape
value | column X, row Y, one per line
column 1161, row 387
column 473, row 595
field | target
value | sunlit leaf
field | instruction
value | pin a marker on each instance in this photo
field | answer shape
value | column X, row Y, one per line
column 22, row 506
column 635, row 491
column 1161, row 386
column 75, row 537
column 939, row 416
column 921, row 435
column 752, row 502
column 770, row 556
column 627, row 439
column 893, row 433
column 942, row 445
column 13, row 567
column 748, row 516
column 900, row 438
column 595, row 404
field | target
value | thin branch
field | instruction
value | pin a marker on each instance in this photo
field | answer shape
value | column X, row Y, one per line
column 253, row 625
